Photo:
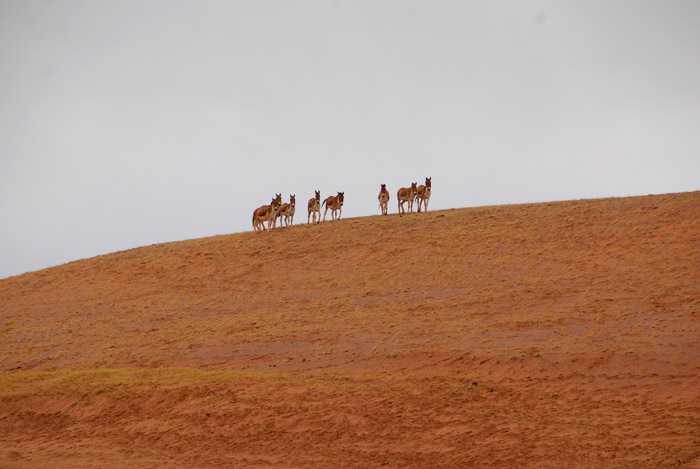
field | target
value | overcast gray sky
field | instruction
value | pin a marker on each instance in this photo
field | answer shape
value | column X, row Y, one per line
column 127, row 123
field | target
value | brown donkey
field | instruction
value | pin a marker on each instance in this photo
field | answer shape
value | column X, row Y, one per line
column 335, row 203
column 384, row 199
column 278, row 198
column 287, row 211
column 406, row 195
column 315, row 207
column 423, row 194
column 266, row 213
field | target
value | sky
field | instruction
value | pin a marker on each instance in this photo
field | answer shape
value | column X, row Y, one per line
column 126, row 123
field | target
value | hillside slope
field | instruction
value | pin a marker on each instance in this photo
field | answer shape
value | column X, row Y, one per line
column 559, row 333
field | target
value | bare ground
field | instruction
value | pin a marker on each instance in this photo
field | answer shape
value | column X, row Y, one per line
column 560, row 334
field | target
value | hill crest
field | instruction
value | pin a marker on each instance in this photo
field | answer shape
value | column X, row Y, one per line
column 592, row 304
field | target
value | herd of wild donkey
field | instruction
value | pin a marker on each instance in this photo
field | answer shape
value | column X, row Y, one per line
column 276, row 209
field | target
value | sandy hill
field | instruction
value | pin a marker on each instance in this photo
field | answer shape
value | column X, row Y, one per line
column 544, row 335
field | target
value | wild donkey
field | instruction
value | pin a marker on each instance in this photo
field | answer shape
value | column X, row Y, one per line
column 278, row 198
column 384, row 199
column 406, row 195
column 334, row 202
column 423, row 194
column 315, row 207
column 287, row 211
column 266, row 213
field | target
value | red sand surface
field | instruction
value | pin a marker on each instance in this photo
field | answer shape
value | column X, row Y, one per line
column 543, row 335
